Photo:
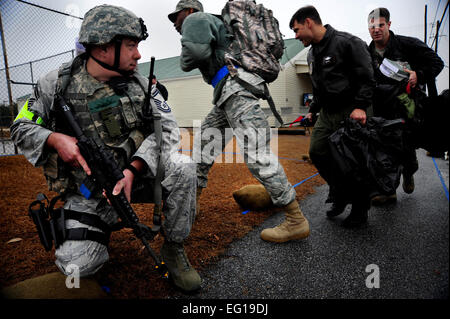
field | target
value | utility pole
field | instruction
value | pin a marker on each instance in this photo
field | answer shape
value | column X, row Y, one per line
column 438, row 25
column 425, row 24
column 432, row 90
column 8, row 82
column 431, row 84
column 439, row 22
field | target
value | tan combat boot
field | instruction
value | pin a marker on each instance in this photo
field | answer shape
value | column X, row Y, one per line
column 295, row 226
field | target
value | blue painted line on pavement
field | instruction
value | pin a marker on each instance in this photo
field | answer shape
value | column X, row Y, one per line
column 441, row 178
column 299, row 183
column 305, row 180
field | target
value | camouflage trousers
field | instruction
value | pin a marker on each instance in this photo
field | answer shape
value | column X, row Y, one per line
column 242, row 112
column 179, row 186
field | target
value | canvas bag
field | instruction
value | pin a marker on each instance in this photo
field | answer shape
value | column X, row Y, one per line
column 257, row 42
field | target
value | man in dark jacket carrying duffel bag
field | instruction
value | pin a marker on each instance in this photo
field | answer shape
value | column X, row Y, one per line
column 342, row 77
column 423, row 67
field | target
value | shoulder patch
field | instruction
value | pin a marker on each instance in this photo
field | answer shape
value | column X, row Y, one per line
column 162, row 106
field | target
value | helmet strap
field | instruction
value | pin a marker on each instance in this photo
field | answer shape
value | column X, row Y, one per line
column 118, row 45
column 116, row 65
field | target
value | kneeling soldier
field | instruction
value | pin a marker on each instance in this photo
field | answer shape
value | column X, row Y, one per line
column 107, row 95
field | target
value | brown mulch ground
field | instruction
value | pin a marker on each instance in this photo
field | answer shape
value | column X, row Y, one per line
column 129, row 272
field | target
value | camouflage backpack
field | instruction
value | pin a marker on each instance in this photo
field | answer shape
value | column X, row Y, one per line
column 257, row 42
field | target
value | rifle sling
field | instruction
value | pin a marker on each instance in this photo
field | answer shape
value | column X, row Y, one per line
column 265, row 95
column 157, row 190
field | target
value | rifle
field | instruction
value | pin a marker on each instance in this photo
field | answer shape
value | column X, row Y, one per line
column 105, row 173
column 146, row 109
column 153, row 119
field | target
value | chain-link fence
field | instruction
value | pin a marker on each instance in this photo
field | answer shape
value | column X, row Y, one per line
column 35, row 40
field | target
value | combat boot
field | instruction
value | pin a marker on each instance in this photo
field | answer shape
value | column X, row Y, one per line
column 384, row 199
column 181, row 272
column 408, row 184
column 358, row 215
column 336, row 209
column 295, row 226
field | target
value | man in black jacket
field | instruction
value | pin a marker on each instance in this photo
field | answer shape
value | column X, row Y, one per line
column 342, row 77
column 424, row 66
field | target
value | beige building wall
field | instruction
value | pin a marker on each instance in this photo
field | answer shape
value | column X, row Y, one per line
column 287, row 92
column 288, row 89
column 189, row 98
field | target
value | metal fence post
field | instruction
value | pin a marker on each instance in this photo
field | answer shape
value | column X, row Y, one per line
column 31, row 72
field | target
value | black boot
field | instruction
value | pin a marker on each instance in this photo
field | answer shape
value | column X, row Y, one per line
column 337, row 209
column 332, row 196
column 408, row 183
column 358, row 215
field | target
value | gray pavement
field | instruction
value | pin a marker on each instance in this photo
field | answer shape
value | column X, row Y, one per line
column 406, row 243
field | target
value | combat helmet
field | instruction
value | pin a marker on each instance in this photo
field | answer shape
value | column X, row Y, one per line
column 110, row 24
column 103, row 23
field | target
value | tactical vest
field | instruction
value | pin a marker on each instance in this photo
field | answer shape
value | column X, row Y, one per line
column 110, row 117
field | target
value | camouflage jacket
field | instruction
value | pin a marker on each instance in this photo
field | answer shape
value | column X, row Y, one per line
column 102, row 114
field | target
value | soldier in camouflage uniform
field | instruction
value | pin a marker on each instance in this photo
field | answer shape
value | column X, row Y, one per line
column 204, row 43
column 111, row 115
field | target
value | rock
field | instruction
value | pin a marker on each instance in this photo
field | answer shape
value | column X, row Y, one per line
column 53, row 286
column 253, row 197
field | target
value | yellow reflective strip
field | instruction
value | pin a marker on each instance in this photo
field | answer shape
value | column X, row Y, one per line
column 27, row 114
column 21, row 113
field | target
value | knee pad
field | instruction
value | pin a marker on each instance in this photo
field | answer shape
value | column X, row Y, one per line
column 84, row 244
column 86, row 256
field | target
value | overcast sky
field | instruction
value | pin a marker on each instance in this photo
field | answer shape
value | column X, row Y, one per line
column 407, row 18
column 348, row 15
